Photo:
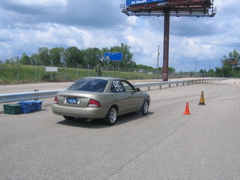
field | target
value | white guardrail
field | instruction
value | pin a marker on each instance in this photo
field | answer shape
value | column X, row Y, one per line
column 47, row 94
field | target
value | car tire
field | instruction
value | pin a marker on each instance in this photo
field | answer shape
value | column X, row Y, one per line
column 145, row 107
column 111, row 116
column 68, row 118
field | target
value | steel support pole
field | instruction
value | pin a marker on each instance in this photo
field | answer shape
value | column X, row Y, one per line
column 158, row 61
column 166, row 44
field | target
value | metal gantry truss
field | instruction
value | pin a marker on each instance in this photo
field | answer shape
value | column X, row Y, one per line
column 178, row 8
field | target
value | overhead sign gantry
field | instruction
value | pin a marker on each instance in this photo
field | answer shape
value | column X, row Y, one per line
column 167, row 8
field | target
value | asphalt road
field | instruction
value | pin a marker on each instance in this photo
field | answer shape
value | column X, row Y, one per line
column 165, row 144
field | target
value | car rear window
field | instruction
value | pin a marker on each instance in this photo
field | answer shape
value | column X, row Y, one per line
column 95, row 85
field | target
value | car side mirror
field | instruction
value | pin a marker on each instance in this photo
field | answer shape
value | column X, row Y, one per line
column 138, row 89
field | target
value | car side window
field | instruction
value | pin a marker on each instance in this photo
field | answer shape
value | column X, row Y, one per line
column 117, row 87
column 128, row 86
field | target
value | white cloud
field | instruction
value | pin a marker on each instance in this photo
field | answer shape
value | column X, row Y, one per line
column 27, row 25
column 40, row 3
column 132, row 22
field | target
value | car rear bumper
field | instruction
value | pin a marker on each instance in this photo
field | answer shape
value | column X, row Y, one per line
column 92, row 113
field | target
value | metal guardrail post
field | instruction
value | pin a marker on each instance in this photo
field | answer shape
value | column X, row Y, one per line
column 36, row 90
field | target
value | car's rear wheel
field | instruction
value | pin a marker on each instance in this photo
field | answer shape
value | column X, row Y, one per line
column 111, row 116
column 68, row 118
column 145, row 107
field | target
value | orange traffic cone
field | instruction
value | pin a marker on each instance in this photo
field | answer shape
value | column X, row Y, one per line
column 202, row 102
column 187, row 111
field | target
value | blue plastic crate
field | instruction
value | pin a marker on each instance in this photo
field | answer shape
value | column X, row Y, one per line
column 27, row 106
column 38, row 105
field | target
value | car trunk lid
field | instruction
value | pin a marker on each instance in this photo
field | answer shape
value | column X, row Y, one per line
column 77, row 99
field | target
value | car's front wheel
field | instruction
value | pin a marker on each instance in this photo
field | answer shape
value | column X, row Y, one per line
column 145, row 107
column 111, row 116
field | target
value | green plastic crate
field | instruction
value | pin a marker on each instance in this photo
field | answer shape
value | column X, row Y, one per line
column 12, row 108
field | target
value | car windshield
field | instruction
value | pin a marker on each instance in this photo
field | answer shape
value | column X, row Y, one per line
column 95, row 85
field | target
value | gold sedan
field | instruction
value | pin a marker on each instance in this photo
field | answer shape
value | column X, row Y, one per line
column 100, row 98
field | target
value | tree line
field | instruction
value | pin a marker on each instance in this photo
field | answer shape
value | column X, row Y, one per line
column 230, row 66
column 93, row 57
column 82, row 58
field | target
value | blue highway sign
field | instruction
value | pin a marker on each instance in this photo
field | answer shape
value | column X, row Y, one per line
column 137, row 2
column 113, row 56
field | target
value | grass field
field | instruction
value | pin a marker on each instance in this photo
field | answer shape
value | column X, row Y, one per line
column 18, row 74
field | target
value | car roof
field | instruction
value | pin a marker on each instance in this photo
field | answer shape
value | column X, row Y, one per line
column 103, row 78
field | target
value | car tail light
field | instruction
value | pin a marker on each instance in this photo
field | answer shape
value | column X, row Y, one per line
column 93, row 103
column 55, row 100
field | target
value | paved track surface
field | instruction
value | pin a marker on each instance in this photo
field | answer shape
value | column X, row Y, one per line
column 165, row 144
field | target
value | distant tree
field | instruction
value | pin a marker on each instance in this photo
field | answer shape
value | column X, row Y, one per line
column 55, row 55
column 228, row 62
column 227, row 71
column 11, row 61
column 203, row 71
column 218, row 71
column 7, row 61
column 171, row 70
column 25, row 59
column 145, row 68
column 211, row 72
column 231, row 59
column 43, row 56
column 35, row 59
column 72, row 56
column 92, row 57
column 159, row 69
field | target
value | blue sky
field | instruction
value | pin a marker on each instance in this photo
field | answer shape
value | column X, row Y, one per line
column 197, row 43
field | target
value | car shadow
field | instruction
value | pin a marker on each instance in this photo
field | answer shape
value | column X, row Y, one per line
column 99, row 123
